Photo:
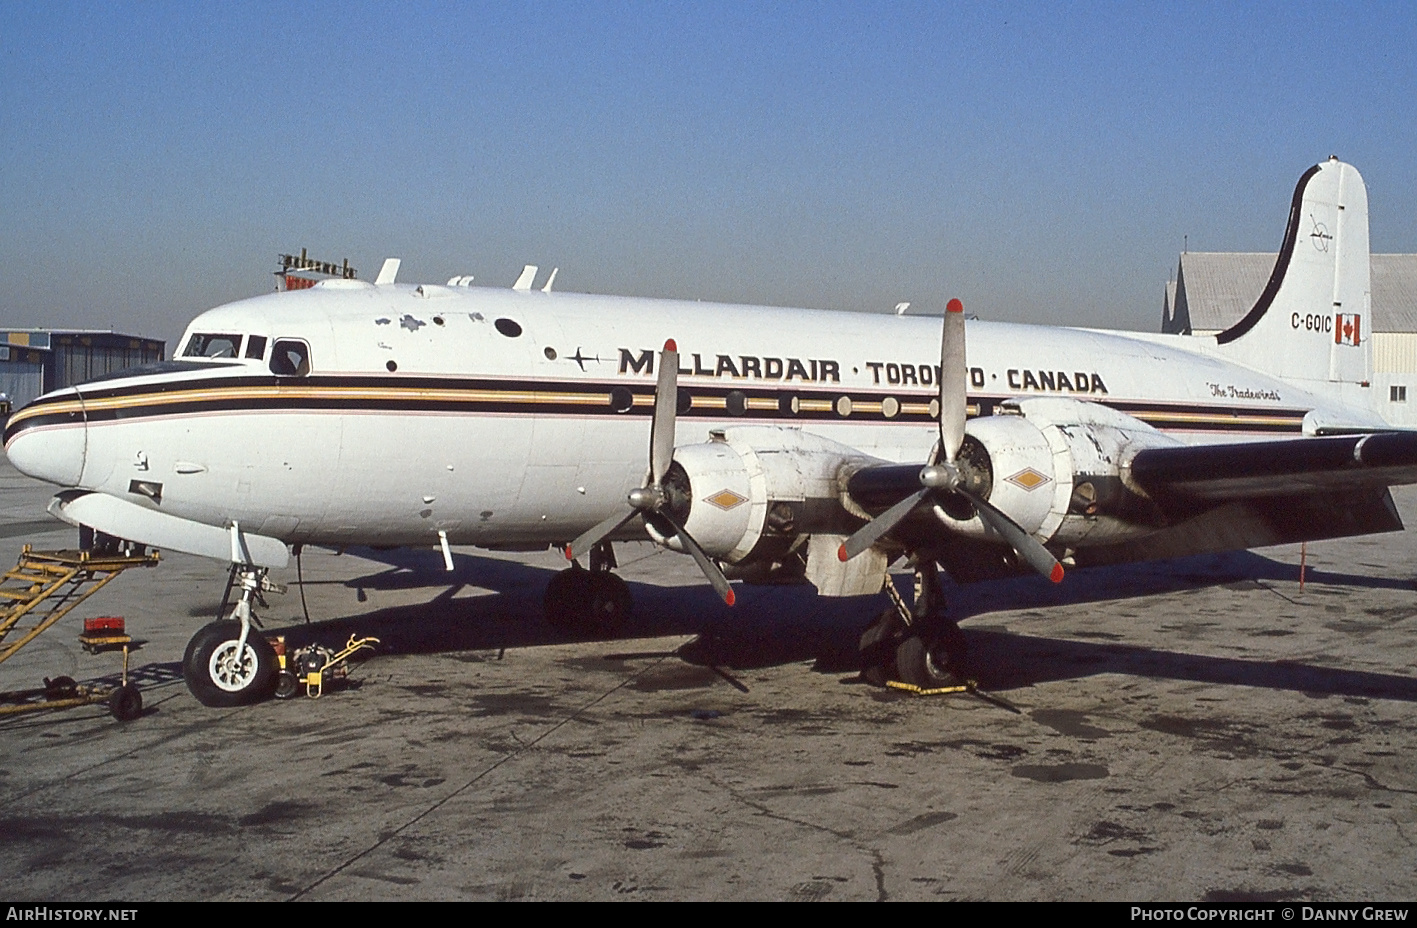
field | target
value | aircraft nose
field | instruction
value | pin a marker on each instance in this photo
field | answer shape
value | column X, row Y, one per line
column 48, row 439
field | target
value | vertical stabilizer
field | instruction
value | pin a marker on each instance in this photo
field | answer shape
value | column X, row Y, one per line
column 389, row 272
column 1313, row 321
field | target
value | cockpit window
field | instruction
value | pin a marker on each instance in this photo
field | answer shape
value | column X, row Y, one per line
column 290, row 358
column 256, row 347
column 204, row 345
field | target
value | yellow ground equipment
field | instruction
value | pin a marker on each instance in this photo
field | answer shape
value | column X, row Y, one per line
column 44, row 586
column 969, row 686
column 315, row 666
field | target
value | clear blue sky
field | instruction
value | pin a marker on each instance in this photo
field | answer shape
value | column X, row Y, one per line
column 1040, row 161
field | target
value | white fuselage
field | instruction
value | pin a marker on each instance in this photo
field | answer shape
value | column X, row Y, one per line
column 509, row 418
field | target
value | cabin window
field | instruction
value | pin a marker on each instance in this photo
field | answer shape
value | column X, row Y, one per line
column 256, row 347
column 290, row 358
column 1397, row 393
column 206, row 345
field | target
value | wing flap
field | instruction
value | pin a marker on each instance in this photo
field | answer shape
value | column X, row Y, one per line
column 1253, row 523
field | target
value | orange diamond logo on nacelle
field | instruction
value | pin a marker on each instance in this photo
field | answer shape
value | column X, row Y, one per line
column 725, row 499
column 1029, row 479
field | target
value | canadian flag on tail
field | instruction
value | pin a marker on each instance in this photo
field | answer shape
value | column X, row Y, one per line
column 1345, row 330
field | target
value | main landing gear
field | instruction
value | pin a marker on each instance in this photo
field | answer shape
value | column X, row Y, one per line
column 589, row 603
column 226, row 663
column 915, row 644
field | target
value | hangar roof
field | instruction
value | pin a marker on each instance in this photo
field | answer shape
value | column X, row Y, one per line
column 1213, row 290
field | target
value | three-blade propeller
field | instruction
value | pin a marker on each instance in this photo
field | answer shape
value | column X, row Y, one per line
column 941, row 476
column 651, row 501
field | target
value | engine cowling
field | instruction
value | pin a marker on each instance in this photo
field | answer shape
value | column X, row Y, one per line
column 1057, row 467
column 754, row 493
column 1093, row 446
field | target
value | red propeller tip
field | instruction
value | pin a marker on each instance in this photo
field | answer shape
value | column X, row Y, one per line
column 669, row 345
column 954, row 306
column 567, row 551
column 841, row 554
column 730, row 598
column 1057, row 574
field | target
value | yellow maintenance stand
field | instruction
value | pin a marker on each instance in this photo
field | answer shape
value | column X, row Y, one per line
column 44, row 586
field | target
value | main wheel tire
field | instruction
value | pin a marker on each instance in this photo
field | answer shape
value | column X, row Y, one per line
column 567, row 604
column 952, row 644
column 610, row 604
column 126, row 703
column 219, row 678
column 916, row 665
column 877, row 648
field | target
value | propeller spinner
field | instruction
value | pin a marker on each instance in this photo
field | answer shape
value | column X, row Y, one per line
column 941, row 476
column 652, row 500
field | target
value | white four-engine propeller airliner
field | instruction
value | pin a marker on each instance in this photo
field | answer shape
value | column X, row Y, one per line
column 781, row 443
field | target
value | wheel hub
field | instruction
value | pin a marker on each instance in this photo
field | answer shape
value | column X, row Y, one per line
column 230, row 672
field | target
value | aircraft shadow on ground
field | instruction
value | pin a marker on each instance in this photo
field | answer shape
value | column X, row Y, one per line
column 1006, row 661
column 777, row 625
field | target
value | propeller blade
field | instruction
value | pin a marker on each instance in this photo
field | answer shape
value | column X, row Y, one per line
column 666, row 406
column 590, row 538
column 868, row 534
column 952, row 379
column 715, row 576
column 1028, row 547
column 942, row 475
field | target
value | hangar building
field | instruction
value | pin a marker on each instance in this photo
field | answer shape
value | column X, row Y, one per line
column 35, row 361
column 1213, row 290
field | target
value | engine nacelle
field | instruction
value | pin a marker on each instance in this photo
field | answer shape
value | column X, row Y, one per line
column 753, row 493
column 1057, row 467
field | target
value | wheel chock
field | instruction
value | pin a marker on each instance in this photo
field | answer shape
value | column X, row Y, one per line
column 969, row 686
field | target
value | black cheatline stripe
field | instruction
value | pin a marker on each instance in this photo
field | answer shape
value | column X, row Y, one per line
column 1247, row 428
column 423, row 404
column 402, row 387
column 413, row 383
column 1215, row 421
column 1134, row 408
column 1281, row 265
column 34, row 422
column 403, row 397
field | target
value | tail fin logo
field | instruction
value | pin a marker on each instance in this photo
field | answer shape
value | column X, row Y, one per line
column 1346, row 330
column 1320, row 236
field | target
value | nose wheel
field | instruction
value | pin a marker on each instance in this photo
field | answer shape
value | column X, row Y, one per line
column 226, row 663
column 222, row 671
column 591, row 603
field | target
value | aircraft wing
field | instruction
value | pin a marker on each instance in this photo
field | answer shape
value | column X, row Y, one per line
column 1111, row 504
column 1228, row 497
column 1215, row 473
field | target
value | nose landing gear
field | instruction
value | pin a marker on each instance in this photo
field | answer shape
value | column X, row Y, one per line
column 225, row 664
